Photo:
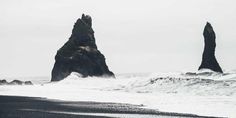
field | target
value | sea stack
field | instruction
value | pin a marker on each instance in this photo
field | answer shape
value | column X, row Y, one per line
column 208, row 58
column 80, row 54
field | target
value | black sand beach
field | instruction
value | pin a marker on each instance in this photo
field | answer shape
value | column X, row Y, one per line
column 34, row 107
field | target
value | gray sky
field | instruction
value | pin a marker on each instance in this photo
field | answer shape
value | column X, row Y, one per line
column 134, row 35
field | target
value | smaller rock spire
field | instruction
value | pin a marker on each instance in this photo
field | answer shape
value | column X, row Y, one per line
column 208, row 58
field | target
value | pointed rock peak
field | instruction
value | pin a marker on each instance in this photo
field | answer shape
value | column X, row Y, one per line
column 87, row 19
column 208, row 29
column 208, row 23
column 208, row 58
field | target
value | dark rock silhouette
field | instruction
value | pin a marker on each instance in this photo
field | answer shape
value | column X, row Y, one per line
column 3, row 82
column 80, row 54
column 28, row 83
column 208, row 58
column 15, row 82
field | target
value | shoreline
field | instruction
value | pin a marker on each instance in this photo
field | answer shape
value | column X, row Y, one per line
column 20, row 106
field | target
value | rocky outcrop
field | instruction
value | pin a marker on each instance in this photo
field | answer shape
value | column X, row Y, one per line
column 80, row 54
column 3, row 82
column 15, row 82
column 208, row 58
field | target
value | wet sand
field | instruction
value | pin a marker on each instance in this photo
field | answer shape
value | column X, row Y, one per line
column 35, row 107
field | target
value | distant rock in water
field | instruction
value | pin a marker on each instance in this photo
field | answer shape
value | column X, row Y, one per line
column 28, row 83
column 208, row 58
column 3, row 82
column 15, row 82
column 80, row 54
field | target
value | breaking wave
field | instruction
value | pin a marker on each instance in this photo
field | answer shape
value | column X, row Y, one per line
column 200, row 83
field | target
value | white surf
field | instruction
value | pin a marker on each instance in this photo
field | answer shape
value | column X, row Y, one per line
column 202, row 93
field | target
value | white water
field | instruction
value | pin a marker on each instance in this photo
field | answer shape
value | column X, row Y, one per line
column 202, row 93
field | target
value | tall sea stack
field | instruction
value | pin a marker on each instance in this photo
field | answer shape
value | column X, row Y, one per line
column 80, row 54
column 208, row 58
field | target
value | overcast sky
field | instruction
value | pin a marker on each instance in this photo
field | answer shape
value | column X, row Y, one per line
column 134, row 35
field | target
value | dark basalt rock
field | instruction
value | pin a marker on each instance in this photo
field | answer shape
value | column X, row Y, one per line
column 3, row 82
column 28, row 83
column 208, row 58
column 15, row 82
column 80, row 54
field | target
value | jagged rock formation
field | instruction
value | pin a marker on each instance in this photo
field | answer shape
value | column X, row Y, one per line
column 80, row 54
column 208, row 58
column 15, row 82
